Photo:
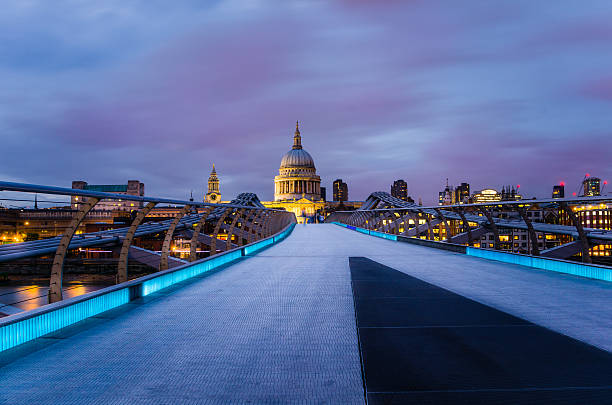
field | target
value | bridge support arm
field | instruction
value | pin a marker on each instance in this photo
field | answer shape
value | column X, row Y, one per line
column 535, row 251
column 466, row 225
column 430, row 233
column 163, row 263
column 193, row 245
column 492, row 225
column 446, row 226
column 213, row 245
column 230, row 232
column 416, row 217
column 57, row 270
column 586, row 256
column 122, row 267
column 248, row 221
column 254, row 226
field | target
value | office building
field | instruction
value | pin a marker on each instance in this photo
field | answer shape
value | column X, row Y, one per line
column 399, row 189
column 591, row 186
column 133, row 188
column 559, row 191
column 340, row 190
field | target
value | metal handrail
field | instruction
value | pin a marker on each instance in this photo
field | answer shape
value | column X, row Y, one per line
column 36, row 188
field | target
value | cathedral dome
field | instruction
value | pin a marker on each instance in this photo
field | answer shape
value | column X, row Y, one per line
column 297, row 158
column 297, row 177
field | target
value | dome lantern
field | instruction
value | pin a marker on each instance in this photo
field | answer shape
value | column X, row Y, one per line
column 297, row 138
column 297, row 177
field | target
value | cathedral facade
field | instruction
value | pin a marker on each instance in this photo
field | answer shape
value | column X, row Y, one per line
column 297, row 187
column 297, row 177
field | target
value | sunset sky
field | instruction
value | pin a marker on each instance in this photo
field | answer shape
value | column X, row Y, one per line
column 489, row 92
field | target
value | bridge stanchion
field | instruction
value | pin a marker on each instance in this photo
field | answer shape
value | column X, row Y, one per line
column 430, row 235
column 57, row 270
column 370, row 221
column 355, row 216
column 446, row 225
column 385, row 218
column 492, row 225
column 416, row 217
column 122, row 266
column 391, row 218
column 254, row 225
column 403, row 223
column 163, row 262
column 535, row 251
column 586, row 256
column 248, row 221
column 276, row 223
column 260, row 225
column 213, row 243
column 230, row 232
column 364, row 220
column 466, row 225
column 193, row 245
column 268, row 224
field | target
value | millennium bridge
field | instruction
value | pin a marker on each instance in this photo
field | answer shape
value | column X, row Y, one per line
column 392, row 303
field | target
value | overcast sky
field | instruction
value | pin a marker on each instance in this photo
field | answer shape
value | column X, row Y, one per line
column 489, row 92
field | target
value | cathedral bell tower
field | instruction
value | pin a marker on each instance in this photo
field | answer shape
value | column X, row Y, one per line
column 213, row 195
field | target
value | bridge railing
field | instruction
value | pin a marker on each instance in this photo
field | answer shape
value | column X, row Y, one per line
column 592, row 271
column 26, row 326
column 223, row 227
column 554, row 228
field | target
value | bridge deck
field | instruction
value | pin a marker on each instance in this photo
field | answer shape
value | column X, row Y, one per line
column 276, row 327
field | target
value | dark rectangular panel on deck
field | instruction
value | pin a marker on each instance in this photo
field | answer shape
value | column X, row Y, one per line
column 423, row 344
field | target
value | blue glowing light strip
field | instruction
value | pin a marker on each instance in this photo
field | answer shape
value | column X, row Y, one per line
column 543, row 263
column 28, row 329
column 29, row 325
column 559, row 266
column 368, row 232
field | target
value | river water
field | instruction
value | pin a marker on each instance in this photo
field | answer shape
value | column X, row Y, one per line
column 24, row 297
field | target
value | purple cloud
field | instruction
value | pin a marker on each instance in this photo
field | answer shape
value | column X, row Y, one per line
column 488, row 93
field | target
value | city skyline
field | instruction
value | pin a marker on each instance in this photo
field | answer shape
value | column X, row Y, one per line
column 494, row 94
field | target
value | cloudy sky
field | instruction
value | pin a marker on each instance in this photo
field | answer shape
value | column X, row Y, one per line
column 489, row 92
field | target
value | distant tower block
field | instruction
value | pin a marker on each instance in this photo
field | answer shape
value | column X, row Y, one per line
column 213, row 195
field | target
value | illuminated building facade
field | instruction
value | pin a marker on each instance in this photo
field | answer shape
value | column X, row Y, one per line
column 297, row 187
column 597, row 216
column 460, row 195
column 558, row 191
column 445, row 197
column 133, row 187
column 213, row 195
column 399, row 189
column 486, row 195
column 297, row 177
column 591, row 186
column 340, row 190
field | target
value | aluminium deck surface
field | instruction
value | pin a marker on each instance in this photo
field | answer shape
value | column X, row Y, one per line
column 278, row 327
column 422, row 344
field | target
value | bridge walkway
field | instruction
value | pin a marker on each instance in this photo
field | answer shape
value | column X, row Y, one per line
column 277, row 327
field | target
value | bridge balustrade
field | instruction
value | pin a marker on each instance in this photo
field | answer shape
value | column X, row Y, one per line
column 242, row 222
column 467, row 224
